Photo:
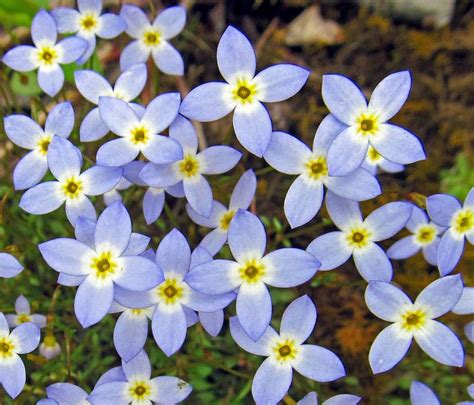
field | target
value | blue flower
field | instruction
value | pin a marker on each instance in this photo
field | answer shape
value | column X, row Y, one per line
column 23, row 339
column 71, row 186
column 190, row 170
column 87, row 23
column 174, row 300
column 374, row 161
column 286, row 351
column 153, row 38
column 26, row 133
column 421, row 394
column 357, row 237
column 91, row 85
column 139, row 133
column 9, row 265
column 342, row 399
column 414, row 320
column 445, row 210
column 220, row 217
column 425, row 236
column 244, row 91
column 366, row 124
column 139, row 387
column 105, row 265
column 23, row 314
column 252, row 272
column 46, row 55
column 305, row 196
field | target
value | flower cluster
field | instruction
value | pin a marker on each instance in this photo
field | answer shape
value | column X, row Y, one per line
column 174, row 286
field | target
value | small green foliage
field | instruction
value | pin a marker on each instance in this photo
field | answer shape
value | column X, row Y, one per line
column 460, row 178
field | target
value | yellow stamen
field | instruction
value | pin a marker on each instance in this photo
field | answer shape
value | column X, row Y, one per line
column 171, row 291
column 244, row 91
column 358, row 237
column 252, row 271
column 224, row 222
column 152, row 38
column 72, row 188
column 425, row 234
column 89, row 22
column 285, row 350
column 367, row 124
column 47, row 55
column 413, row 320
column 103, row 265
column 463, row 221
column 189, row 166
column 316, row 167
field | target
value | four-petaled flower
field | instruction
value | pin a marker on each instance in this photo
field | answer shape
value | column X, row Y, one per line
column 71, row 186
column 305, row 196
column 252, row 272
column 23, row 314
column 190, row 170
column 366, row 124
column 286, row 351
column 446, row 211
column 414, row 320
column 46, row 55
column 87, row 23
column 357, row 237
column 153, row 38
column 26, row 133
column 105, row 265
column 244, row 91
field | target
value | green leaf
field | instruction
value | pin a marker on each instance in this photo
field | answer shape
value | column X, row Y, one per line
column 25, row 84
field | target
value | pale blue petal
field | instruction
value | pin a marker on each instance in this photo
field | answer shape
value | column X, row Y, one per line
column 214, row 241
column 169, row 328
column 111, row 26
column 133, row 54
column 21, row 58
column 100, row 179
column 131, row 82
column 92, row 127
column 22, row 131
column 93, row 301
column 43, row 28
column 253, row 127
column 66, row 255
column 153, row 203
column 117, row 115
column 342, row 211
column 131, row 172
column 137, row 245
column 208, row 303
column 311, row 398
column 13, row 376
column 469, row 331
column 29, row 170
column 130, row 334
column 60, row 120
column 372, row 263
column 386, row 301
column 218, row 159
column 170, row 21
column 168, row 59
column 135, row 299
column 342, row 399
column 441, row 208
column 387, row 220
column 113, row 228
column 212, row 322
column 391, row 167
column 184, row 132
column 114, row 374
column 136, row 20
column 72, row 49
column 138, row 274
column 298, row 320
column 430, row 252
column 246, row 236
column 303, row 266
column 319, row 364
column 174, row 254
column 199, row 256
column 388, row 348
column 390, row 95
column 465, row 304
column 421, row 394
column 91, row 43
column 450, row 250
column 214, row 277
column 440, row 343
column 271, row 382
column 199, row 195
column 303, row 201
column 91, row 85
column 26, row 337
column 235, row 55
column 327, row 131
column 160, row 176
column 260, row 347
column 66, row 19
column 418, row 217
column 51, row 81
column 162, row 150
column 207, row 102
column 63, row 159
column 213, row 220
column 286, row 153
column 346, row 153
column 244, row 191
column 66, row 393
column 138, row 367
column 110, row 393
column 403, row 248
column 117, row 152
column 80, row 207
column 42, row 198
column 94, row 6
column 343, row 97
column 170, row 390
column 162, row 111
column 22, row 305
column 440, row 296
column 9, row 266
column 280, row 82
column 191, row 317
column 359, row 185
column 70, row 281
column 331, row 249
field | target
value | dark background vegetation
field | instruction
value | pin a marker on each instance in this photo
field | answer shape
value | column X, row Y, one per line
column 359, row 43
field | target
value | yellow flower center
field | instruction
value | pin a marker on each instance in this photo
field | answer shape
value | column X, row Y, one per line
column 43, row 145
column 47, row 55
column 189, row 166
column 140, row 135
column 373, row 156
column 72, row 188
column 6, row 348
column 425, row 234
column 285, row 350
column 367, row 124
column 358, row 238
column 413, row 319
column 171, row 291
column 103, row 265
column 244, row 91
column 88, row 22
column 224, row 222
column 22, row 318
column 152, row 38
column 316, row 168
column 137, row 311
column 252, row 271
column 49, row 341
column 463, row 221
column 140, row 390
